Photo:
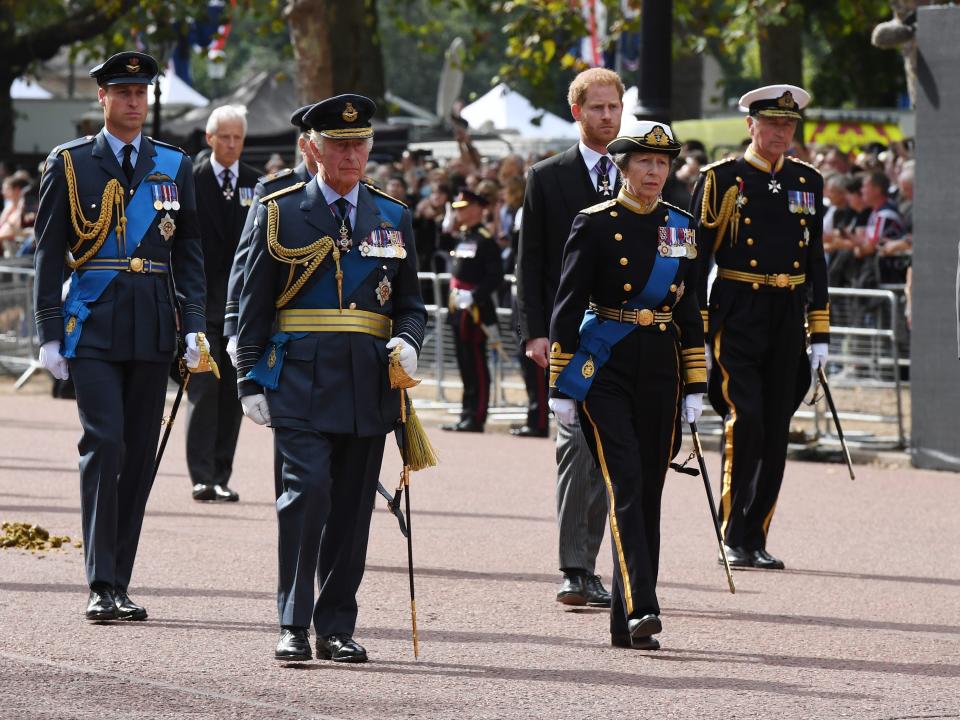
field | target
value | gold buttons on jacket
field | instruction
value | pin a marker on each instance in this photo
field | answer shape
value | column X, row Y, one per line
column 755, row 286
column 801, row 243
column 746, row 221
column 353, row 306
column 673, row 288
column 666, row 218
column 613, row 213
column 739, row 179
column 803, row 180
column 796, row 264
column 802, row 222
column 663, row 326
column 753, row 263
column 618, row 237
column 666, row 308
column 624, row 261
column 627, row 287
column 749, row 241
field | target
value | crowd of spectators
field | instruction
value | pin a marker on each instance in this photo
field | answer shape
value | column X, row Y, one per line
column 20, row 198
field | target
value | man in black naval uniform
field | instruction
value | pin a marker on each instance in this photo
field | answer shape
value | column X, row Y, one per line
column 321, row 381
column 265, row 185
column 760, row 217
column 118, row 209
column 224, row 188
column 476, row 275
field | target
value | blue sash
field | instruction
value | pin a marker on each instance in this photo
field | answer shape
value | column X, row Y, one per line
column 87, row 286
column 597, row 337
column 321, row 294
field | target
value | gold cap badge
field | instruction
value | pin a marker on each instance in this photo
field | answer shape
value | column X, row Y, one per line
column 657, row 136
column 133, row 65
column 786, row 100
column 349, row 113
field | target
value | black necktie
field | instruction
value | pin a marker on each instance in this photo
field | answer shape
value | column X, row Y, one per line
column 343, row 207
column 603, row 177
column 126, row 165
column 227, row 186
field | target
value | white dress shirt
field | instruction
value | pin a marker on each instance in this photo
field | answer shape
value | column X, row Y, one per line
column 117, row 145
column 331, row 196
column 218, row 172
column 591, row 158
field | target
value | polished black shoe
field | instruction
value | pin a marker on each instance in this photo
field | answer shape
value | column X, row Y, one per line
column 765, row 561
column 101, row 605
column 294, row 645
column 640, row 643
column 224, row 494
column 527, row 431
column 597, row 595
column 644, row 627
column 573, row 590
column 127, row 609
column 204, row 493
column 737, row 557
column 464, row 426
column 341, row 648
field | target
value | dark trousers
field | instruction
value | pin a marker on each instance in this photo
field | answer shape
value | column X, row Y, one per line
column 758, row 351
column 535, row 381
column 213, row 418
column 120, row 405
column 329, row 483
column 631, row 412
column 471, row 346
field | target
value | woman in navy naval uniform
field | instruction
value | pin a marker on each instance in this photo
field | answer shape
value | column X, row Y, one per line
column 627, row 354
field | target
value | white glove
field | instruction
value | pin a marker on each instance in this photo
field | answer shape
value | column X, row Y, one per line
column 692, row 407
column 708, row 357
column 53, row 361
column 564, row 410
column 408, row 356
column 818, row 356
column 232, row 349
column 464, row 299
column 255, row 407
column 192, row 355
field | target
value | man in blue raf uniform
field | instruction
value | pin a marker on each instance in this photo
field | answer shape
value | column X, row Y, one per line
column 477, row 274
column 118, row 211
column 760, row 216
column 267, row 184
column 330, row 286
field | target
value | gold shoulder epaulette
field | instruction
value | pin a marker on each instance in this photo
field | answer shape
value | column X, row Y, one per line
column 805, row 164
column 716, row 164
column 483, row 231
column 165, row 144
column 282, row 191
column 678, row 209
column 275, row 175
column 599, row 206
column 374, row 189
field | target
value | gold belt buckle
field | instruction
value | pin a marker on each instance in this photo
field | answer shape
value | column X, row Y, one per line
column 136, row 265
column 644, row 317
column 781, row 280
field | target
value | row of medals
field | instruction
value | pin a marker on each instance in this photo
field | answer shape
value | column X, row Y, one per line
column 165, row 197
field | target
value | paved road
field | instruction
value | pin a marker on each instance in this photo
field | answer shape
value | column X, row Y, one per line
column 865, row 623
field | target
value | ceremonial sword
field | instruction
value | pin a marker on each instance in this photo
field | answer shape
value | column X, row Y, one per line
column 836, row 420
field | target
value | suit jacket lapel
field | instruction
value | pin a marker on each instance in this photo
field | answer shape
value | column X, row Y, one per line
column 314, row 205
column 368, row 216
column 144, row 161
column 101, row 150
column 579, row 193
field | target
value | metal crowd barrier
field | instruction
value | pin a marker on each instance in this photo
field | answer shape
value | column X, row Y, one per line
column 18, row 335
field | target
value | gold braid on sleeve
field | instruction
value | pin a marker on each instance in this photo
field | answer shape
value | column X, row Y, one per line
column 96, row 230
column 720, row 220
column 309, row 256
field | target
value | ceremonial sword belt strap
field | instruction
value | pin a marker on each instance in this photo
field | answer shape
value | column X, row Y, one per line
column 780, row 280
column 641, row 317
column 133, row 265
column 331, row 320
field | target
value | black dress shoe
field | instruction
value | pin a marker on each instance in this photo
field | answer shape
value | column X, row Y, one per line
column 127, row 609
column 294, row 645
column 644, row 627
column 341, row 648
column 464, row 426
column 204, row 493
column 527, row 431
column 640, row 643
column 101, row 604
column 597, row 595
column 765, row 561
column 573, row 590
column 737, row 557
column 224, row 494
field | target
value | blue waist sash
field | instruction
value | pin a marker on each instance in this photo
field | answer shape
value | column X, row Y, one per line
column 267, row 370
column 87, row 286
column 597, row 337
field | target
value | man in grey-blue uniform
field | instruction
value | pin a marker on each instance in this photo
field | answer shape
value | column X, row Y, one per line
column 330, row 286
column 118, row 211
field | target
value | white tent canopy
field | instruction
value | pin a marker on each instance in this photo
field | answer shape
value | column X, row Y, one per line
column 174, row 91
column 505, row 109
column 23, row 90
column 631, row 100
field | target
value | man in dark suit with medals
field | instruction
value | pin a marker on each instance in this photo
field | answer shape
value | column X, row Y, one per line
column 118, row 211
column 330, row 286
column 476, row 275
column 224, row 189
column 760, row 217
column 557, row 189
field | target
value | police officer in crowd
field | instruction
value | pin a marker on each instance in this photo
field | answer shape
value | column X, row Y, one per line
column 627, row 356
column 267, row 184
column 118, row 211
column 477, row 273
column 330, row 287
column 224, row 188
column 760, row 218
